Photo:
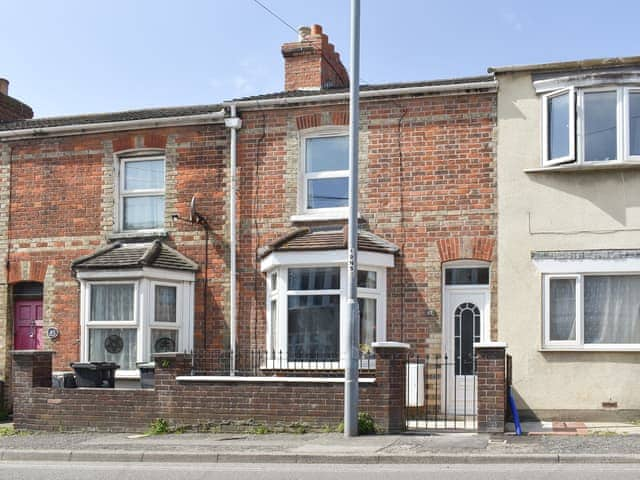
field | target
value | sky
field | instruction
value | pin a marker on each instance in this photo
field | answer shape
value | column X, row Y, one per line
column 66, row 57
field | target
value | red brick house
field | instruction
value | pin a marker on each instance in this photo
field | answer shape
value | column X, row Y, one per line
column 92, row 230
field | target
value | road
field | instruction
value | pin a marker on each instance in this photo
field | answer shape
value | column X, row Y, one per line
column 170, row 471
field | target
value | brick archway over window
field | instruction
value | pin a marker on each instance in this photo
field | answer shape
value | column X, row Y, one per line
column 478, row 248
column 27, row 271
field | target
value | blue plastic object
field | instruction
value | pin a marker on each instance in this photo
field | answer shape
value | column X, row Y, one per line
column 514, row 413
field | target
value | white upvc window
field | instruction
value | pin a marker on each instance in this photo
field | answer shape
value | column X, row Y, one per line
column 127, row 320
column 142, row 193
column 324, row 177
column 591, row 126
column 307, row 312
column 592, row 311
column 558, row 132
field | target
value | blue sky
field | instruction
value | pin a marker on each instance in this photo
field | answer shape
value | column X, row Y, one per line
column 71, row 56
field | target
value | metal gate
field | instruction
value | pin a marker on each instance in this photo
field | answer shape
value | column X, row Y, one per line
column 441, row 393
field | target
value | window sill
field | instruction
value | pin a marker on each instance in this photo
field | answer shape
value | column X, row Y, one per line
column 138, row 234
column 582, row 167
column 606, row 349
column 321, row 217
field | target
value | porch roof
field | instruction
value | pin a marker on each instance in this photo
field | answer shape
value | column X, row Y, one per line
column 119, row 255
column 327, row 238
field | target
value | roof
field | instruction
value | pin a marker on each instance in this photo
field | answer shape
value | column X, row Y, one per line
column 590, row 63
column 365, row 88
column 135, row 255
column 185, row 111
column 327, row 238
column 122, row 116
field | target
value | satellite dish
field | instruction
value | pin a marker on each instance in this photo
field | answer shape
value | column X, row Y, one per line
column 192, row 210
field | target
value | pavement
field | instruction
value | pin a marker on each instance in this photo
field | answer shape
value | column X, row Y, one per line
column 604, row 443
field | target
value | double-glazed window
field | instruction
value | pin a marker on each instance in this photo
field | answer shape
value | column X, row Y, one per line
column 592, row 311
column 306, row 311
column 142, row 193
column 325, row 178
column 588, row 126
column 127, row 321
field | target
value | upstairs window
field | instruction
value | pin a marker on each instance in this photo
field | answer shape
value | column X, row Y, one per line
column 591, row 126
column 142, row 191
column 325, row 182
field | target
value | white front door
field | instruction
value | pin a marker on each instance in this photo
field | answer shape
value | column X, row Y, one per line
column 466, row 322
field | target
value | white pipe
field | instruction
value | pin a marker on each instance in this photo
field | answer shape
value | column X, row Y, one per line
column 233, row 123
column 80, row 129
column 456, row 87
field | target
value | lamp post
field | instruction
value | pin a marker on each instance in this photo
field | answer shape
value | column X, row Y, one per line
column 352, row 340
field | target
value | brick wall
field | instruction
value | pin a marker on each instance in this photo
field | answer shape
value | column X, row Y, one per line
column 427, row 177
column 62, row 206
column 39, row 407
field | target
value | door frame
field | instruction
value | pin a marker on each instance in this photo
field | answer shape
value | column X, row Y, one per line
column 448, row 328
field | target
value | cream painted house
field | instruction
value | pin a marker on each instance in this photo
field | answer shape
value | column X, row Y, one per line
column 568, row 148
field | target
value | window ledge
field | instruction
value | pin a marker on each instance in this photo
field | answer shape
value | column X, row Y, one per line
column 321, row 217
column 607, row 349
column 138, row 234
column 581, row 167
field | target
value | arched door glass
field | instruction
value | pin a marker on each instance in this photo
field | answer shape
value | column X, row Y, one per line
column 467, row 331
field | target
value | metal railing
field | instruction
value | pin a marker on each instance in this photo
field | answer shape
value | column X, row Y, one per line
column 441, row 393
column 265, row 363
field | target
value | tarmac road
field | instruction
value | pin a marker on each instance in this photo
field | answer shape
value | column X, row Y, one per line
column 170, row 471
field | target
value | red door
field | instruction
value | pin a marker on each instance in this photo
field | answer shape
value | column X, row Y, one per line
column 27, row 326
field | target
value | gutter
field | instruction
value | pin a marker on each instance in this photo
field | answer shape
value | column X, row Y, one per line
column 80, row 129
column 490, row 85
column 233, row 123
column 569, row 65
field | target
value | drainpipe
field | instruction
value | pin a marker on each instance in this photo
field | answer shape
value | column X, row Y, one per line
column 234, row 124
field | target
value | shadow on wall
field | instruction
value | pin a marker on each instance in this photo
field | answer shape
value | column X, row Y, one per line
column 612, row 192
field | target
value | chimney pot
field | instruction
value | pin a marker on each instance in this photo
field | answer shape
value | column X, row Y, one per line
column 303, row 33
column 4, row 86
column 316, row 29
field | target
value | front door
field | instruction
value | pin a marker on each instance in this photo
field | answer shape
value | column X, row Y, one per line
column 466, row 317
column 27, row 325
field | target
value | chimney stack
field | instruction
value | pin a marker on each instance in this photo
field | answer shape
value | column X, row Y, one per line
column 312, row 63
column 10, row 108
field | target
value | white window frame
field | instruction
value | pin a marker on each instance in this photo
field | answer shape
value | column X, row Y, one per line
column 547, row 311
column 144, row 305
column 578, row 343
column 122, row 193
column 304, row 177
column 546, row 161
column 627, row 124
column 576, row 126
column 580, row 139
column 281, row 293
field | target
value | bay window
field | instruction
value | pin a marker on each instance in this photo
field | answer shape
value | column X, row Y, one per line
column 591, row 125
column 127, row 320
column 592, row 311
column 307, row 311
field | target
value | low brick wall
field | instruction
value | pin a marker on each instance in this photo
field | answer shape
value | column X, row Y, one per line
column 491, row 371
column 39, row 407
